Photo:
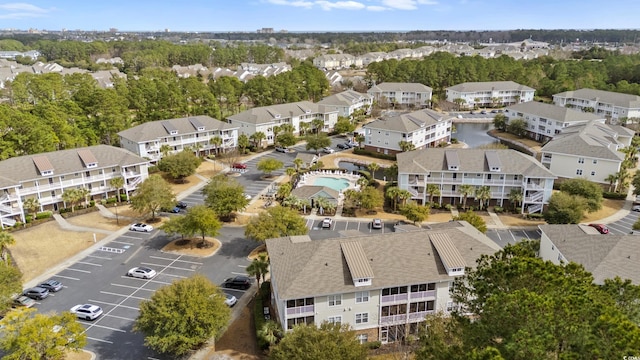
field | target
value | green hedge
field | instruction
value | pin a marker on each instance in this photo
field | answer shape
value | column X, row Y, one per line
column 636, row 225
column 43, row 215
column 373, row 154
column 535, row 216
column 372, row 345
column 613, row 195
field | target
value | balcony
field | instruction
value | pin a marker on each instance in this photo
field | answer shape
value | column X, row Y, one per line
column 419, row 316
column 7, row 222
column 301, row 311
column 536, row 197
column 394, row 298
column 422, row 295
column 393, row 319
column 6, row 209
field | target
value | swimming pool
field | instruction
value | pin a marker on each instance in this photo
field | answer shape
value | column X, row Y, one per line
column 337, row 184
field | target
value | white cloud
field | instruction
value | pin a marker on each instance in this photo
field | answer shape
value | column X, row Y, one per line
column 427, row 2
column 306, row 4
column 21, row 11
column 400, row 4
column 345, row 5
column 376, row 8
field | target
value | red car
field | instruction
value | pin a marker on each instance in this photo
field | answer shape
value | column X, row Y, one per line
column 602, row 229
column 239, row 166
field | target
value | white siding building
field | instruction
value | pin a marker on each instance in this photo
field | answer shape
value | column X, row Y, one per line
column 347, row 102
column 591, row 151
column 263, row 119
column 544, row 121
column 175, row 135
column 490, row 93
column 423, row 128
column 402, row 94
column 500, row 170
column 46, row 176
column 363, row 280
column 603, row 103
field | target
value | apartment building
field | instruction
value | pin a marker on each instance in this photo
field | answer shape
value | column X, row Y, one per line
column 489, row 94
column 500, row 170
column 264, row 118
column 609, row 104
column 423, row 128
column 153, row 139
column 347, row 102
column 604, row 256
column 336, row 61
column 383, row 285
column 402, row 94
column 46, row 176
column 592, row 151
column 544, row 121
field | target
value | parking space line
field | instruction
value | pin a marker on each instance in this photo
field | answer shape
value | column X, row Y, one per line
column 514, row 238
column 527, row 235
column 67, row 277
column 242, row 266
column 96, row 339
column 237, row 273
column 131, row 287
column 87, row 263
column 124, row 295
column 100, row 257
column 178, row 260
column 78, row 270
column 346, row 225
column 114, row 305
column 359, row 225
column 104, row 327
column 129, row 237
column 122, row 242
column 121, row 317
column 171, row 275
column 167, row 266
column 152, row 281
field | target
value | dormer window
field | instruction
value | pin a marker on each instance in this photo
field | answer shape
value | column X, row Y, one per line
column 362, row 282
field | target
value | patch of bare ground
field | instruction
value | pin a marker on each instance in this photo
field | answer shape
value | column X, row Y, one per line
column 332, row 160
column 239, row 340
column 78, row 355
column 609, row 207
column 193, row 246
column 96, row 220
column 518, row 220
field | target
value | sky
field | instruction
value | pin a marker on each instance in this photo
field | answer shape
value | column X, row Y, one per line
column 318, row 15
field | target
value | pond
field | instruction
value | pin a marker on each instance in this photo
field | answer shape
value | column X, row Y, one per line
column 474, row 134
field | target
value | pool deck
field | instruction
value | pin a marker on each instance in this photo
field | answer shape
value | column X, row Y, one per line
column 309, row 178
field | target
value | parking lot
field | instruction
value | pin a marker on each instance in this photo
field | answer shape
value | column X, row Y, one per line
column 624, row 225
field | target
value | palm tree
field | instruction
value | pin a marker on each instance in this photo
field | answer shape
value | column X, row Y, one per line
column 216, row 141
column 360, row 139
column 404, row 195
column 297, row 162
column 259, row 267
column 623, row 179
column 5, row 240
column 433, row 190
column 271, row 332
column 475, row 102
column 290, row 171
column 515, row 197
column 392, row 193
column 287, row 128
column 83, row 194
column 117, row 183
column 406, row 146
column 164, row 150
column 318, row 124
column 32, row 205
column 70, row 196
column 611, row 179
column 324, row 203
column 362, row 182
column 276, row 131
column 466, row 190
column 304, row 127
column 257, row 138
column 284, row 190
column 373, row 167
column 290, row 201
column 483, row 194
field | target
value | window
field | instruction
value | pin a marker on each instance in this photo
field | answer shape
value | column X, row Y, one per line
column 593, row 173
column 363, row 338
column 451, row 306
column 334, row 300
column 595, row 161
column 362, row 318
column 580, row 160
column 362, row 296
column 334, row 319
column 579, row 172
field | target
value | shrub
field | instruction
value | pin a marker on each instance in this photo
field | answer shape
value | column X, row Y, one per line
column 454, row 140
column 358, row 151
column 111, row 200
column 614, row 195
column 447, row 206
column 258, row 320
column 153, row 169
column 498, row 209
column 123, row 197
column 92, row 203
column 43, row 215
column 373, row 345
column 535, row 216
column 636, row 225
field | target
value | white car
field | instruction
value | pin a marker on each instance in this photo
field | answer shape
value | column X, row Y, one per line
column 326, row 223
column 328, row 150
column 281, row 149
column 230, row 300
column 141, row 272
column 141, row 227
column 247, row 196
column 87, row 311
column 635, row 208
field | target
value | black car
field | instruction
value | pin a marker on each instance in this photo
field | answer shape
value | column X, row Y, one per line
column 51, row 285
column 238, row 282
column 181, row 205
column 343, row 146
column 36, row 293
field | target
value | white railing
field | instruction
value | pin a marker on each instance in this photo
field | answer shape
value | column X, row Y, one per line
column 393, row 319
column 301, row 310
column 8, row 222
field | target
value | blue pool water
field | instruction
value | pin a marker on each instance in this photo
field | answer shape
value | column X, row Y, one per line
column 334, row 183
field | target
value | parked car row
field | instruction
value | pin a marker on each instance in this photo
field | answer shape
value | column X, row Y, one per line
column 29, row 296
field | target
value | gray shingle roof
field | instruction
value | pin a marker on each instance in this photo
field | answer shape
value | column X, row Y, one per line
column 158, row 129
column 394, row 86
column 618, row 99
column 471, row 160
column 489, row 85
column 408, row 122
column 265, row 114
column 309, row 191
column 593, row 140
column 314, row 268
column 23, row 168
column 553, row 112
column 345, row 98
column 605, row 256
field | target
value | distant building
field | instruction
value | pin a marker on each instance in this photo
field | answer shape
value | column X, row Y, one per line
column 193, row 133
column 544, row 121
column 402, row 94
column 46, row 176
column 603, row 103
column 490, row 93
column 347, row 102
column 422, row 128
column 590, row 151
